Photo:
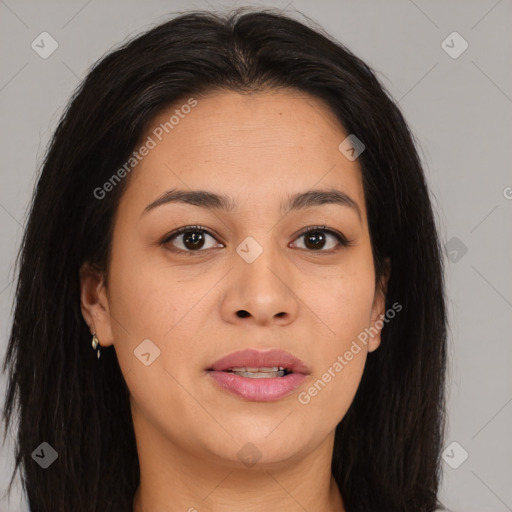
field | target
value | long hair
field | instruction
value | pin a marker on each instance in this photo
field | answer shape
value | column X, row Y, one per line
column 387, row 447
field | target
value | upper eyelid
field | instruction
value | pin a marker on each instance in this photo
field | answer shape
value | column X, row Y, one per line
column 184, row 229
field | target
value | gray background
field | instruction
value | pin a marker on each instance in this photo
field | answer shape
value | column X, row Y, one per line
column 458, row 108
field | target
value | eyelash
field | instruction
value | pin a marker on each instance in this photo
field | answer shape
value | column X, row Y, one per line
column 343, row 241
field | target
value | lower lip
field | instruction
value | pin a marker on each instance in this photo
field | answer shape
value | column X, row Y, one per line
column 258, row 390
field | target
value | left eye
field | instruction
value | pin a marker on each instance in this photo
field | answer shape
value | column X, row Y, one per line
column 315, row 239
column 194, row 239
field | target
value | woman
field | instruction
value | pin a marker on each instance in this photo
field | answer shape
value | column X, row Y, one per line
column 232, row 212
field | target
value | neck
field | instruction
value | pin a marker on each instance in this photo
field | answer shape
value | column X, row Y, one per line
column 174, row 479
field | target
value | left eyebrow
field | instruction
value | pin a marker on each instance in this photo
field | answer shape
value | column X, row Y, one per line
column 312, row 198
column 213, row 201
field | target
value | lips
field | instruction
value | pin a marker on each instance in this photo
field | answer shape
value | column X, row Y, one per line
column 251, row 358
column 249, row 385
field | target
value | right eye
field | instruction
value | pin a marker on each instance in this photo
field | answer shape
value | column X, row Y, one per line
column 193, row 239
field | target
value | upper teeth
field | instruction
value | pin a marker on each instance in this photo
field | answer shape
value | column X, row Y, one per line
column 255, row 369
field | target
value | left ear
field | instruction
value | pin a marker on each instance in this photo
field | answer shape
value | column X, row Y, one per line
column 378, row 308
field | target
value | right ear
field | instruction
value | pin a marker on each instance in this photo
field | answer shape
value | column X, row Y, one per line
column 94, row 303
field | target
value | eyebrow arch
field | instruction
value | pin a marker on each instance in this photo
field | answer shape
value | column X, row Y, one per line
column 213, row 201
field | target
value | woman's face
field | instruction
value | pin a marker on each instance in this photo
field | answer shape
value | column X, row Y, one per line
column 172, row 306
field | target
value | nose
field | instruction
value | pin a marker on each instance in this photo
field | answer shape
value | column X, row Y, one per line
column 262, row 292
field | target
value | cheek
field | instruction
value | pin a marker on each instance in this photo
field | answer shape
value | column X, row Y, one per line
column 327, row 398
column 148, row 296
column 343, row 303
column 341, row 351
column 150, row 300
column 340, row 364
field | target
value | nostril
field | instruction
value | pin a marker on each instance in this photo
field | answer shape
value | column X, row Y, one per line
column 242, row 313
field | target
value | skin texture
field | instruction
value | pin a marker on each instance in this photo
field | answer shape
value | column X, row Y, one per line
column 258, row 149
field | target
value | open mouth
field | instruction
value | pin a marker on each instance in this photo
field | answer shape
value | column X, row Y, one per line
column 256, row 375
column 259, row 373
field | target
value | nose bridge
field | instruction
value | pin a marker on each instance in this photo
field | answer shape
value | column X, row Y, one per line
column 261, row 255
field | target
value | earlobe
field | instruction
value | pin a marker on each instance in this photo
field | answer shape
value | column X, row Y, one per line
column 379, row 308
column 94, row 304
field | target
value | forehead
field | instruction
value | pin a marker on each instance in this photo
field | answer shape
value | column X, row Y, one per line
column 255, row 146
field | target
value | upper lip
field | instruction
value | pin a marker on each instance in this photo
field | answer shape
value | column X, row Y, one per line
column 259, row 359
